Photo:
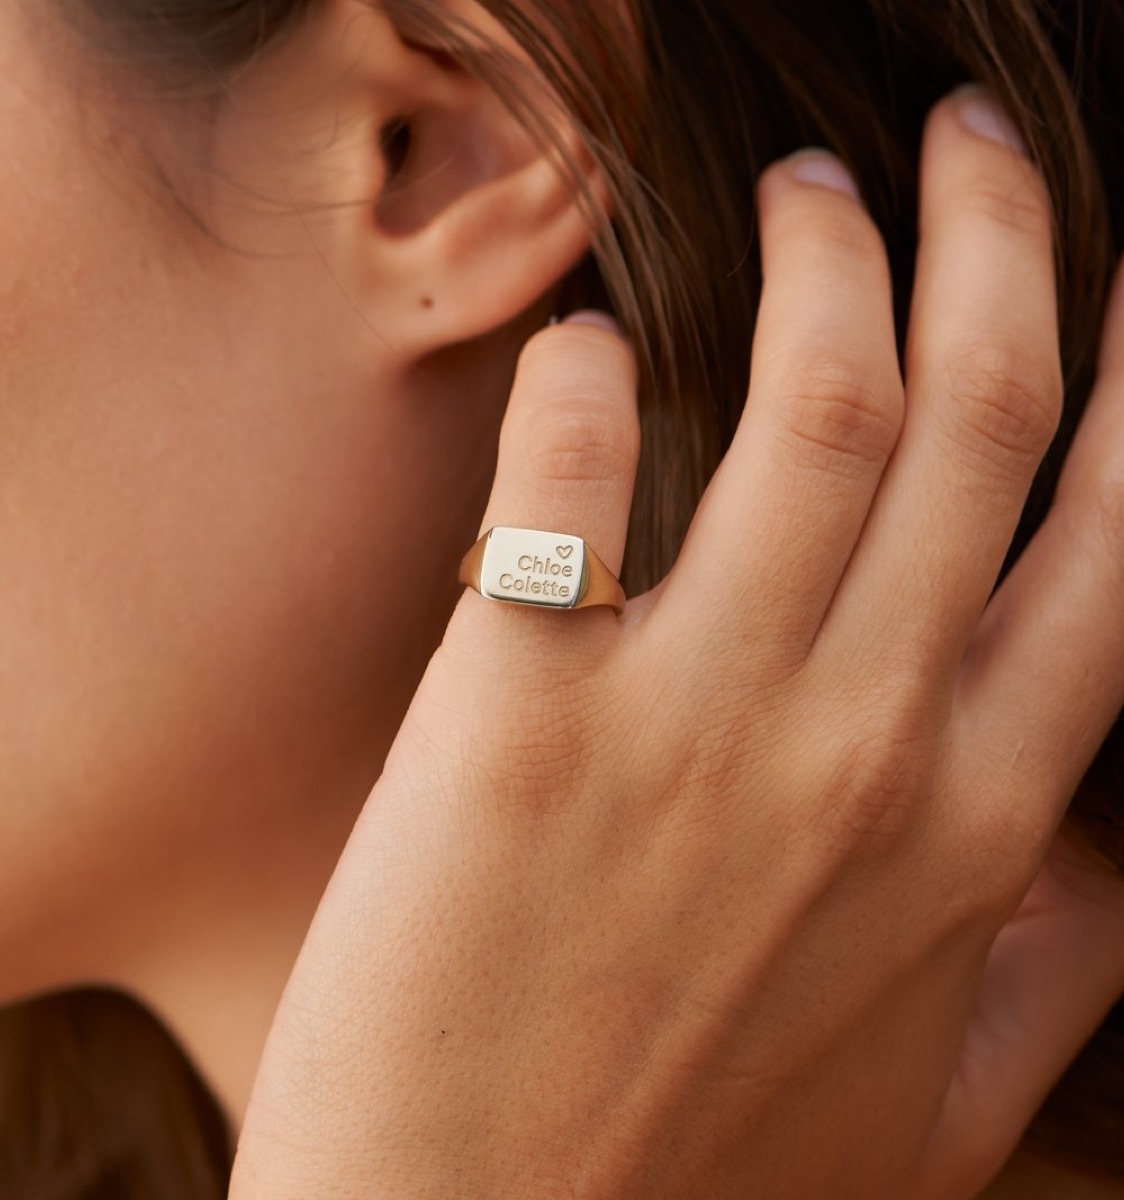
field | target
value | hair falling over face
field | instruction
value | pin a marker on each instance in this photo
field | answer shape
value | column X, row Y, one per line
column 718, row 90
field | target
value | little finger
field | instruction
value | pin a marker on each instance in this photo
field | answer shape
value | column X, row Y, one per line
column 567, row 465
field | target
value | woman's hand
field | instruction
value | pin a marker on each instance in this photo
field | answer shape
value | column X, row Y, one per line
column 716, row 899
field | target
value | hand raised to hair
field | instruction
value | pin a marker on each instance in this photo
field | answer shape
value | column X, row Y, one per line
column 718, row 899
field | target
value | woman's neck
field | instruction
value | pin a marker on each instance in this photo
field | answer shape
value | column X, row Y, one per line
column 216, row 975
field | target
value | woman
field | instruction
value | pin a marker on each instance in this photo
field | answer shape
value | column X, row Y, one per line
column 268, row 268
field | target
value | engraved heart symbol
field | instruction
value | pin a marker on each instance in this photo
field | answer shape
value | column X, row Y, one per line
column 564, row 551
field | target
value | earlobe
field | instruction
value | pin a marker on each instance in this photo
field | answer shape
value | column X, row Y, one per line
column 486, row 257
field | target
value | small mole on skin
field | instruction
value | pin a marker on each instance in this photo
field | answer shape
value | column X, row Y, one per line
column 427, row 302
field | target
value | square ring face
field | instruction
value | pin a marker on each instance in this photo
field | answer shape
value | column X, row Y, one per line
column 527, row 566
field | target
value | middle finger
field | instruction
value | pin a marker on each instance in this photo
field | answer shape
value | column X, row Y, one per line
column 983, row 397
column 781, row 517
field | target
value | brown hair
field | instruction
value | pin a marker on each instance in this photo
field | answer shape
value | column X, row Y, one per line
column 723, row 88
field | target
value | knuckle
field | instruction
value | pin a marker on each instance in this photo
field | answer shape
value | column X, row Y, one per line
column 577, row 439
column 1021, row 206
column 839, row 418
column 1007, row 408
column 870, row 797
column 881, row 768
column 831, row 225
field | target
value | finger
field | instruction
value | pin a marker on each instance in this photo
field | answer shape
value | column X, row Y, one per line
column 1050, row 979
column 1044, row 677
column 571, row 437
column 568, row 449
column 785, row 510
column 983, row 397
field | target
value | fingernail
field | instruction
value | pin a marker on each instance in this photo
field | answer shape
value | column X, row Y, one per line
column 596, row 318
column 982, row 115
column 822, row 169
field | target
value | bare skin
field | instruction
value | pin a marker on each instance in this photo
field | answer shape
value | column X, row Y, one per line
column 231, row 478
column 233, row 468
column 821, row 937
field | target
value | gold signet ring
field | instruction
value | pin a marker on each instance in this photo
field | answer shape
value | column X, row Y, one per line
column 547, row 570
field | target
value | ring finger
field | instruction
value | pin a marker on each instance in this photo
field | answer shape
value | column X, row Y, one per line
column 983, row 388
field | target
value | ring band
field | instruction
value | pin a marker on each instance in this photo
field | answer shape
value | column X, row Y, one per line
column 546, row 570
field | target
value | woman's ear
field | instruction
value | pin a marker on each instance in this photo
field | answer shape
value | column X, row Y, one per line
column 476, row 221
column 437, row 214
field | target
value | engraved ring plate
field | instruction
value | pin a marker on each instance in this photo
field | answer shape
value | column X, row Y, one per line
column 527, row 566
column 534, row 567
